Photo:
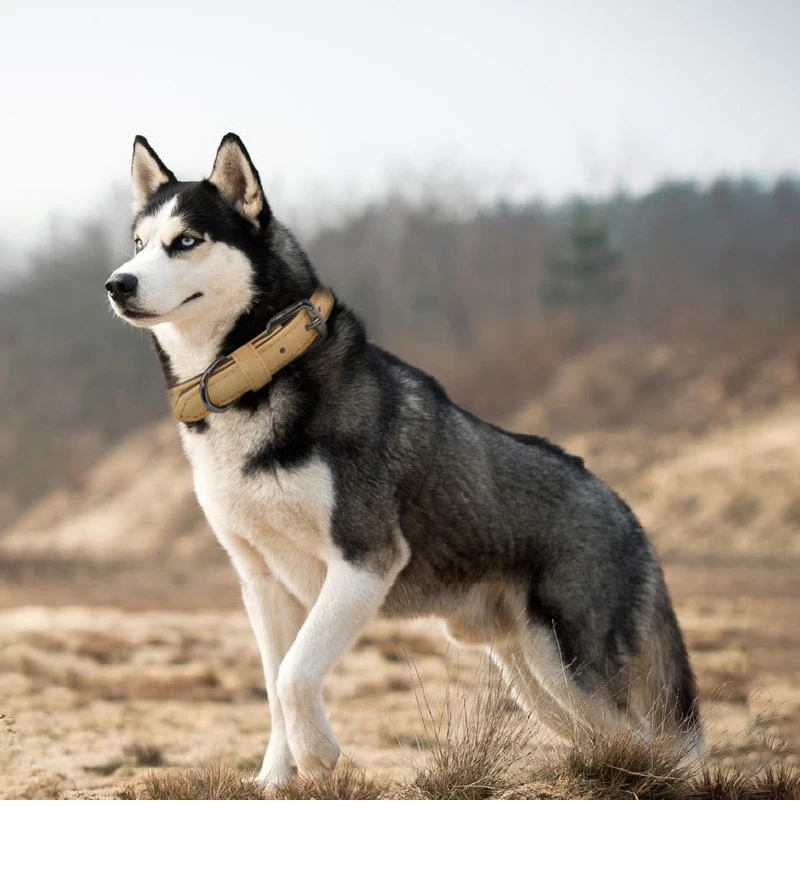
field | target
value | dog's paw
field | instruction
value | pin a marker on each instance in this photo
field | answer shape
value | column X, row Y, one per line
column 308, row 733
column 315, row 753
column 277, row 769
column 274, row 778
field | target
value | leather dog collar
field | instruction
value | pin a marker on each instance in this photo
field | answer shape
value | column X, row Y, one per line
column 287, row 335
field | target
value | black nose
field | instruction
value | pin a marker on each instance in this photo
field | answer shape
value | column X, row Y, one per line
column 120, row 286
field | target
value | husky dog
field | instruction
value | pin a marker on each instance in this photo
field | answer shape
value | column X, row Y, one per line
column 351, row 485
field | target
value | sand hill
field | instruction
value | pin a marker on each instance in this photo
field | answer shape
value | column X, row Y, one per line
column 137, row 503
column 729, row 493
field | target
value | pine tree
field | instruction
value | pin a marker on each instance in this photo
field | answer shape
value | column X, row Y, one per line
column 588, row 278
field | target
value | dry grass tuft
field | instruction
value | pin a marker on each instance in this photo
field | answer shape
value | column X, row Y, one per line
column 215, row 781
column 474, row 746
column 218, row 781
column 621, row 766
column 348, row 782
column 618, row 766
column 775, row 781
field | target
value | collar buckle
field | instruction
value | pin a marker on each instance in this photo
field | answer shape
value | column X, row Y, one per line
column 317, row 321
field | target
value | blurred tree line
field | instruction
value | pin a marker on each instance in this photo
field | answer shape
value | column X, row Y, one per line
column 444, row 290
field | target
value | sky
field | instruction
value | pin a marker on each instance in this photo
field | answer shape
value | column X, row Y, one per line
column 340, row 101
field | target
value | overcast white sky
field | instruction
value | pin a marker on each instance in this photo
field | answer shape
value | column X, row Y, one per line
column 335, row 99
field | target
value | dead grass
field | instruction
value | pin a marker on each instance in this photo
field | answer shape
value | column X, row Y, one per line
column 474, row 745
column 774, row 781
column 609, row 768
column 479, row 749
column 215, row 781
column 617, row 766
column 348, row 782
column 219, row 781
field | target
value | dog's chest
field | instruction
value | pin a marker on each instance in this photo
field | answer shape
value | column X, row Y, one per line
column 264, row 507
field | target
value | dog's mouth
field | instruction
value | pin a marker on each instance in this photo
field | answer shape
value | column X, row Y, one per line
column 136, row 313
column 131, row 313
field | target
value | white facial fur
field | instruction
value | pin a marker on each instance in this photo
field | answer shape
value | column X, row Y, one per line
column 220, row 272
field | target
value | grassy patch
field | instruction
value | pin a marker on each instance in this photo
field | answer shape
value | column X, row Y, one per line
column 215, row 781
column 480, row 748
column 348, row 782
column 609, row 768
column 474, row 746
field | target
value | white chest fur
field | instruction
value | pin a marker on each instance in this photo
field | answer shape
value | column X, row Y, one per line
column 273, row 510
column 283, row 515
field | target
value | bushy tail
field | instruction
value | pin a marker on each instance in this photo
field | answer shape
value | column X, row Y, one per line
column 668, row 690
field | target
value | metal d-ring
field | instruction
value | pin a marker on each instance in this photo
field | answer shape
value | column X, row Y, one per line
column 210, row 406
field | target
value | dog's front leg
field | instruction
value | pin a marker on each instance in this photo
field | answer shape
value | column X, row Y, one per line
column 275, row 616
column 349, row 598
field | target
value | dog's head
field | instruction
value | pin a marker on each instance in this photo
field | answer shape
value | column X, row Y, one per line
column 197, row 245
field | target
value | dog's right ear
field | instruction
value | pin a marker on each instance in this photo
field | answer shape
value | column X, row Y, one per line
column 148, row 173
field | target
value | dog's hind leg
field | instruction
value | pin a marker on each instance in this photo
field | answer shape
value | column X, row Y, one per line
column 275, row 617
column 528, row 692
column 350, row 597
column 586, row 700
column 492, row 617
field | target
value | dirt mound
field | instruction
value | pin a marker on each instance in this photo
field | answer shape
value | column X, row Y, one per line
column 691, row 386
column 137, row 502
column 736, row 491
column 732, row 492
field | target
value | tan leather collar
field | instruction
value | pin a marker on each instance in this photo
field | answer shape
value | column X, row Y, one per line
column 288, row 335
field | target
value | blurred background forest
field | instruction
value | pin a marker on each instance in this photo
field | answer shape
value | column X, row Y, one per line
column 711, row 269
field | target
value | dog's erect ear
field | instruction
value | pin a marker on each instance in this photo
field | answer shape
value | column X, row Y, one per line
column 148, row 173
column 236, row 178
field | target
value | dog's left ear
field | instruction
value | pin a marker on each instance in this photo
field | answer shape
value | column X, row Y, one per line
column 236, row 178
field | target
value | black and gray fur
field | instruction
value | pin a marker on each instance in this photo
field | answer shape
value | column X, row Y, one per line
column 514, row 543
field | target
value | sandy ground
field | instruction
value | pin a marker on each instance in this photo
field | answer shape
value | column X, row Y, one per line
column 92, row 695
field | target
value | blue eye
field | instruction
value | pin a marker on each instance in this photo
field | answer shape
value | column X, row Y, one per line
column 188, row 241
column 137, row 244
